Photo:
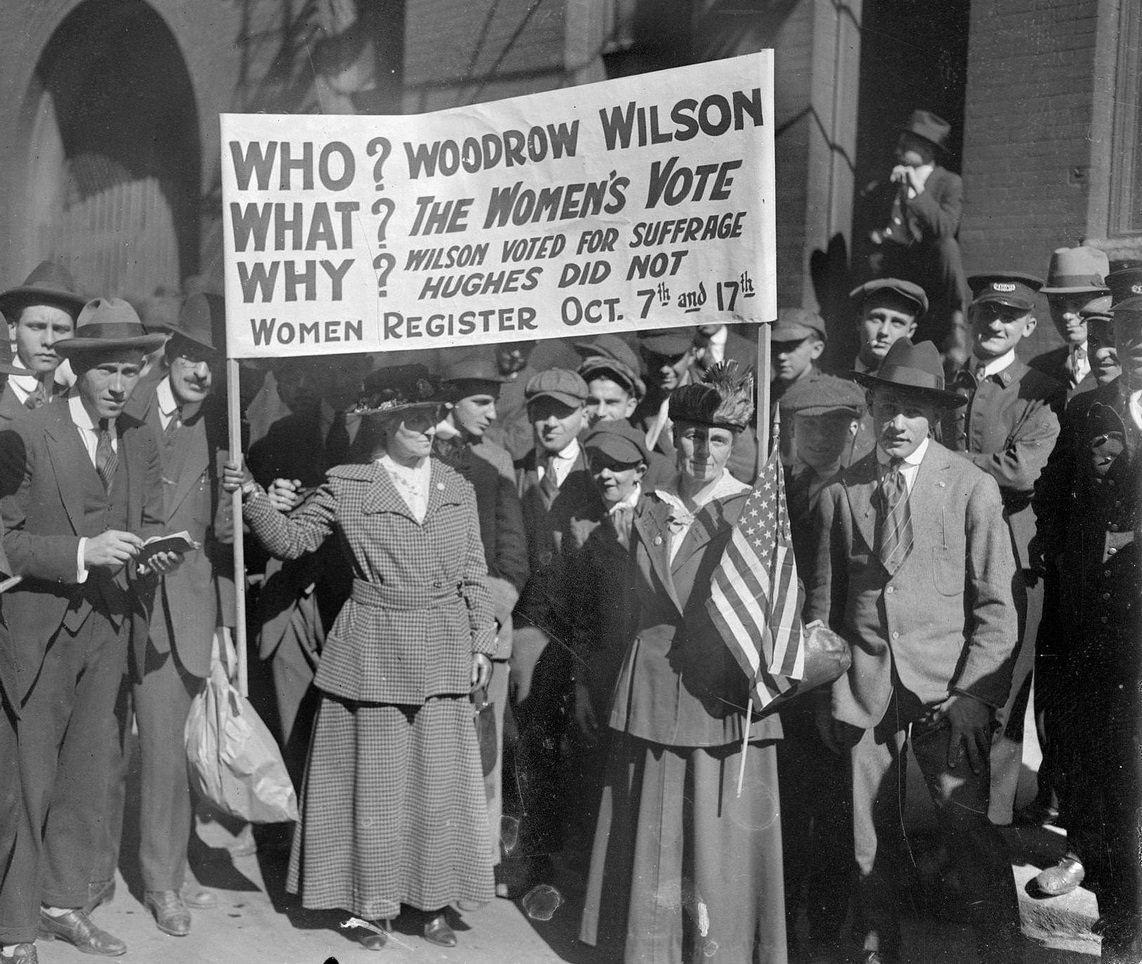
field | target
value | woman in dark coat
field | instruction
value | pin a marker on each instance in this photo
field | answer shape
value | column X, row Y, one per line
column 682, row 869
column 393, row 808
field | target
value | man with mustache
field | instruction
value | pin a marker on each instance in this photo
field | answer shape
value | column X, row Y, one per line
column 1007, row 428
column 1087, row 502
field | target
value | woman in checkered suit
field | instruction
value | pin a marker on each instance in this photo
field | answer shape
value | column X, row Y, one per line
column 393, row 808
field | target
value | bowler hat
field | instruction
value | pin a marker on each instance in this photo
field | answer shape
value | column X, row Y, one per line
column 907, row 290
column 398, row 389
column 470, row 365
column 931, row 127
column 559, row 383
column 620, row 440
column 825, row 395
column 48, row 284
column 108, row 323
column 1012, row 288
column 1125, row 289
column 916, row 369
column 1075, row 270
column 795, row 324
column 202, row 320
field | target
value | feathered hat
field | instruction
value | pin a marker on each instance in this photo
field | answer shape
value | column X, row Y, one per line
column 724, row 398
column 399, row 389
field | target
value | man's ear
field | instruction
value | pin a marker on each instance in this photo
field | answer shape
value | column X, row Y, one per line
column 815, row 351
column 1029, row 325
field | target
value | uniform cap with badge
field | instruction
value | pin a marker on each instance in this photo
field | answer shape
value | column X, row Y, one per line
column 1016, row 289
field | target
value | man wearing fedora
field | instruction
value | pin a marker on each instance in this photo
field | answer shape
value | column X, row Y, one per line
column 182, row 406
column 39, row 312
column 1008, row 428
column 913, row 567
column 917, row 217
column 1088, row 502
column 470, row 381
column 1074, row 279
column 82, row 489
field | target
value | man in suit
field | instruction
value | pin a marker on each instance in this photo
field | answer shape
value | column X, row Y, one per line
column 553, row 483
column 917, row 214
column 914, row 568
column 1088, row 501
column 1074, row 280
column 719, row 343
column 470, row 380
column 300, row 599
column 173, row 661
column 40, row 312
column 82, row 490
column 1007, row 428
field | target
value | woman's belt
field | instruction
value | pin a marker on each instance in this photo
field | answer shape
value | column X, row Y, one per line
column 380, row 596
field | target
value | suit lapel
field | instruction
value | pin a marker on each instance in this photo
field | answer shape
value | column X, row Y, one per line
column 652, row 529
column 69, row 461
column 703, row 529
column 860, row 484
column 926, row 500
column 195, row 462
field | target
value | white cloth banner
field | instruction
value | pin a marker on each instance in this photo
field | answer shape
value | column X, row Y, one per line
column 644, row 202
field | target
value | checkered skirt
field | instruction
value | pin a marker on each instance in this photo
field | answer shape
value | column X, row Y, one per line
column 393, row 810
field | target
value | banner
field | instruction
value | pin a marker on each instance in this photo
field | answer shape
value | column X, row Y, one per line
column 644, row 202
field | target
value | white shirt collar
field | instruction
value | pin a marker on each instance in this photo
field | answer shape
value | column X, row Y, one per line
column 914, row 459
column 570, row 452
column 922, row 173
column 164, row 395
column 23, row 385
column 996, row 365
column 80, row 415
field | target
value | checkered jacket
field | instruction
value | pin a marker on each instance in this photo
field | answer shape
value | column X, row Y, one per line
column 419, row 606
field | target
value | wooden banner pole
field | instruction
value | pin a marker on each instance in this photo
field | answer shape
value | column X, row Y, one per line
column 234, row 422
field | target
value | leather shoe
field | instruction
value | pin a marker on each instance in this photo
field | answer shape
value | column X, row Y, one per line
column 1035, row 815
column 21, row 954
column 1061, row 879
column 169, row 912
column 76, row 928
column 199, row 899
column 437, row 931
column 375, row 940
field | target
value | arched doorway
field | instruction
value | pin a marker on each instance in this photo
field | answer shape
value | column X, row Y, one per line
column 114, row 165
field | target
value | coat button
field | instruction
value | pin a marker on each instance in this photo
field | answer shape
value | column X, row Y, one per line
column 1111, row 551
column 896, row 634
column 891, row 589
column 658, row 540
column 1106, row 595
column 440, row 486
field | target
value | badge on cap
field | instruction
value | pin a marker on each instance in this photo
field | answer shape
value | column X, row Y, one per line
column 1002, row 286
column 1136, row 289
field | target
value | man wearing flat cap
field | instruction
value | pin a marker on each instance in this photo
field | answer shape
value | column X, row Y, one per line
column 553, row 485
column 913, row 567
column 1087, row 501
column 82, row 489
column 182, row 404
column 886, row 309
column 470, row 381
column 39, row 312
column 1075, row 279
column 916, row 216
column 1007, row 428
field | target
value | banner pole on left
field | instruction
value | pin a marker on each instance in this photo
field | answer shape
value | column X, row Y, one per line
column 234, row 421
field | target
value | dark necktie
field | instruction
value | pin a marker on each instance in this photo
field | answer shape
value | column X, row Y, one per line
column 549, row 485
column 337, row 441
column 35, row 398
column 173, row 425
column 105, row 457
column 895, row 519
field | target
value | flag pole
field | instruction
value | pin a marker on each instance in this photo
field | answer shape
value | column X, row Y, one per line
column 234, row 422
column 764, row 335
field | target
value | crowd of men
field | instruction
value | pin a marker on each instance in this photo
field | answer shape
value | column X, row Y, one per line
column 965, row 530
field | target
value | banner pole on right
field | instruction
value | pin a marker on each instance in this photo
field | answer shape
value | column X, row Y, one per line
column 234, row 423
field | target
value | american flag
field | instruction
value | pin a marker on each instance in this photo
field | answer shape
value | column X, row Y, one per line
column 755, row 602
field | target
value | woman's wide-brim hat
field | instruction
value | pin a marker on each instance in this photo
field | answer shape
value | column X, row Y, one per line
column 105, row 324
column 202, row 320
column 400, row 390
column 916, row 369
column 48, row 284
column 723, row 399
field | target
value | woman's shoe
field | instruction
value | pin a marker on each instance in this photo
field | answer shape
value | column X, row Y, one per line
column 437, row 931
column 375, row 940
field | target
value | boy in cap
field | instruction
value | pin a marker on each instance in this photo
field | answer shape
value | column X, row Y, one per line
column 40, row 312
column 1007, row 428
column 554, row 485
column 917, row 217
column 909, row 557
column 1074, row 280
column 470, row 381
column 1087, row 501
column 886, row 309
column 796, row 342
column 82, row 490
column 823, row 416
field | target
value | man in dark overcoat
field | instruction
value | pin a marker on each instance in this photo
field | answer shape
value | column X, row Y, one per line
column 914, row 568
column 1007, row 428
column 1088, row 501
column 82, row 490
column 173, row 662
column 470, row 380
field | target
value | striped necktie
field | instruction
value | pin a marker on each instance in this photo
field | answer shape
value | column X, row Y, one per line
column 896, row 518
column 105, row 458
